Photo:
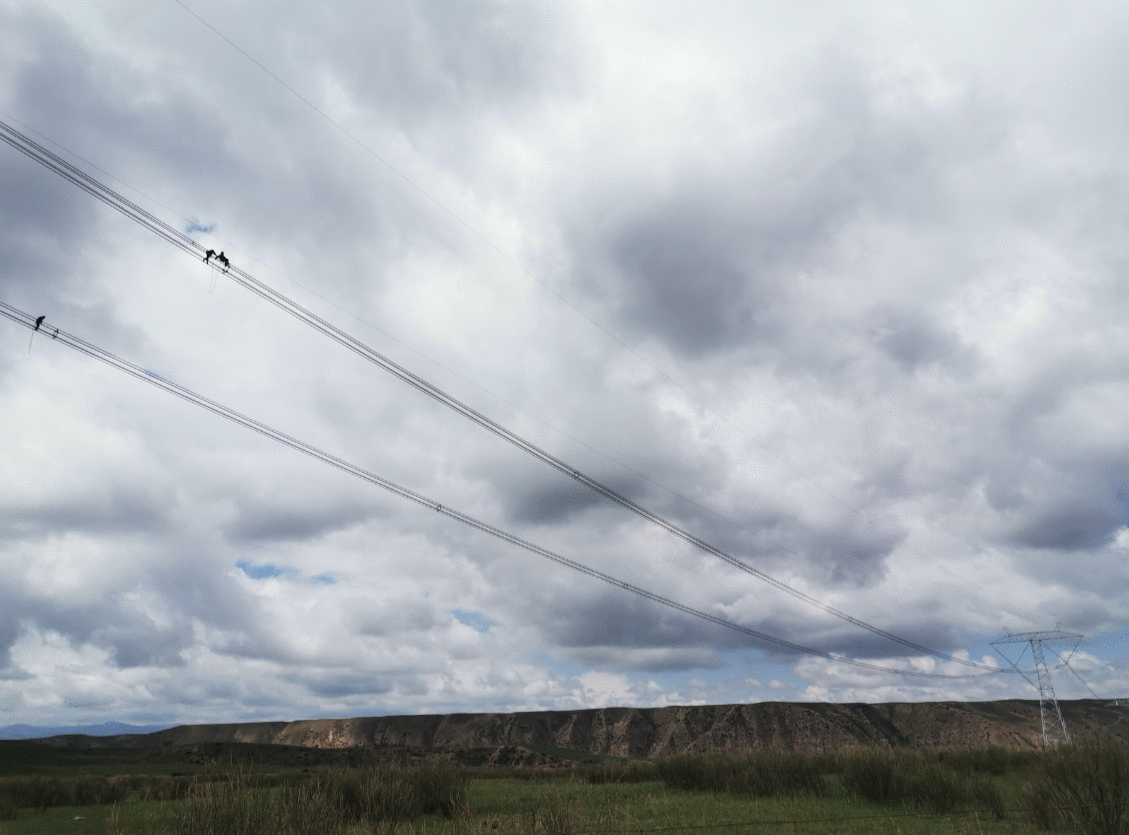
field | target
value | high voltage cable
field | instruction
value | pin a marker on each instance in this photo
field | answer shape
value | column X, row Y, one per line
column 776, row 544
column 478, row 233
column 1066, row 663
column 93, row 351
column 419, row 353
column 37, row 152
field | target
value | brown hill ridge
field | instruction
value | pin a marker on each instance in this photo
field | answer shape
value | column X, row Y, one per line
column 657, row 732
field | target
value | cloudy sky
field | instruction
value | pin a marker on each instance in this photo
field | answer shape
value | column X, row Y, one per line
column 840, row 288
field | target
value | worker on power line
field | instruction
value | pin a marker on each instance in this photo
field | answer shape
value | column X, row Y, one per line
column 211, row 253
column 38, row 322
column 223, row 260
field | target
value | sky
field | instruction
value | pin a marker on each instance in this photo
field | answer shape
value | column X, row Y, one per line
column 839, row 288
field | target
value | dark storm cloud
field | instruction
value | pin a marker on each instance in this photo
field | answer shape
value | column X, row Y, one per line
column 375, row 619
column 853, row 553
column 618, row 619
column 11, row 608
column 931, row 630
column 140, row 127
column 337, row 683
column 52, row 235
column 914, row 341
column 648, row 457
column 653, row 660
column 1075, row 523
column 254, row 523
column 623, row 632
column 141, row 624
column 44, row 224
column 709, row 264
column 113, row 509
column 103, row 106
column 689, row 276
column 557, row 499
column 139, row 644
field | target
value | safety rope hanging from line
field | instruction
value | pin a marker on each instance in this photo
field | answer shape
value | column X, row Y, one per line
column 93, row 351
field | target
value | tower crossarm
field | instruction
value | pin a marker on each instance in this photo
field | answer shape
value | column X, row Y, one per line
column 1028, row 637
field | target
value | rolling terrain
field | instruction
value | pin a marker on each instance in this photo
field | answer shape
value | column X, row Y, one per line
column 646, row 733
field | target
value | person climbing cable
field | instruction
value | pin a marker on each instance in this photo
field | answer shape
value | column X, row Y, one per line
column 210, row 254
column 38, row 322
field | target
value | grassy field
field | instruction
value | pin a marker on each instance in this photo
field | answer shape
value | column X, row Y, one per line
column 863, row 791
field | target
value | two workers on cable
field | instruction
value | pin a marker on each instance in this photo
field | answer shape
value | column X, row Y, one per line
column 221, row 258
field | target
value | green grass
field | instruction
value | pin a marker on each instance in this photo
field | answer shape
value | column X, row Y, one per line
column 504, row 806
column 754, row 774
column 567, row 807
column 130, row 817
column 867, row 791
column 1087, row 786
column 566, row 754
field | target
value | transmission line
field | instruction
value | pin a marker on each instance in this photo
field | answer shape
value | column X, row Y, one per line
column 507, row 256
column 776, row 544
column 37, row 152
column 93, row 351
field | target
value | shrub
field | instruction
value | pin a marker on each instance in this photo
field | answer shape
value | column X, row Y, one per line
column 8, row 810
column 904, row 776
column 985, row 791
column 164, row 788
column 1086, row 784
column 618, row 772
column 550, row 814
column 325, row 802
column 229, row 808
column 994, row 760
column 42, row 793
column 756, row 774
column 1040, row 808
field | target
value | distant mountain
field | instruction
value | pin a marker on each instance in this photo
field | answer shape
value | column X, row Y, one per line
column 661, row 732
column 105, row 729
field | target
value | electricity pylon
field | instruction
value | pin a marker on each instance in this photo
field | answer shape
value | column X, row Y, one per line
column 1054, row 729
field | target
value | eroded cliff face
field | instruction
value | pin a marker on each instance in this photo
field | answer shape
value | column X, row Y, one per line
column 657, row 732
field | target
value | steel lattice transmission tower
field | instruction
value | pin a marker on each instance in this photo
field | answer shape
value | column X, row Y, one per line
column 1054, row 728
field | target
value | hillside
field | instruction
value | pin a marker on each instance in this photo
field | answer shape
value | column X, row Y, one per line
column 657, row 732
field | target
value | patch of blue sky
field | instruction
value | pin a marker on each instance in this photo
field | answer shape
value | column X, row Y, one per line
column 981, row 646
column 475, row 620
column 1084, row 679
column 323, row 580
column 261, row 571
column 194, row 227
column 742, row 676
column 156, row 376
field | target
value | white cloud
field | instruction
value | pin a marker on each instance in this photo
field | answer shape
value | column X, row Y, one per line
column 874, row 261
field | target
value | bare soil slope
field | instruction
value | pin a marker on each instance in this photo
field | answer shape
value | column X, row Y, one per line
column 657, row 732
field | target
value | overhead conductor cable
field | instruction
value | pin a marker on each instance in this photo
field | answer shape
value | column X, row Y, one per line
column 21, row 318
column 34, row 150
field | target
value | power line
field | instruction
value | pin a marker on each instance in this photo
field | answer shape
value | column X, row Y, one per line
column 34, row 150
column 1066, row 663
column 482, row 236
column 93, row 351
column 774, row 543
column 228, row 244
